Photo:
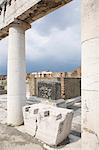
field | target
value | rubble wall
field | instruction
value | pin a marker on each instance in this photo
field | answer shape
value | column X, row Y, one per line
column 72, row 87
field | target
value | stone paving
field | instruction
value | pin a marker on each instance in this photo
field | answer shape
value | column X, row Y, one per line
column 12, row 139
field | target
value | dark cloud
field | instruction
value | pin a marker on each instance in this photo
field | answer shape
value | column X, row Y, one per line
column 66, row 16
column 52, row 65
column 53, row 42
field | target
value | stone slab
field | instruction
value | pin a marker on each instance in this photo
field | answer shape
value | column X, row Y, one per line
column 48, row 123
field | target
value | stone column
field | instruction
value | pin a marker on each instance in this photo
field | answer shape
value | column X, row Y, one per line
column 90, row 74
column 16, row 74
column 32, row 85
column 63, row 85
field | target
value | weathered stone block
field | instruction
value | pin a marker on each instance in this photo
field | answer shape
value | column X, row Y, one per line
column 30, row 118
column 55, row 126
column 47, row 123
column 72, row 87
column 30, row 115
column 2, row 90
column 49, row 90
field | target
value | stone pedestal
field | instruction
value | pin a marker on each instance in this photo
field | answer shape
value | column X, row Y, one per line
column 90, row 74
column 62, row 88
column 16, row 74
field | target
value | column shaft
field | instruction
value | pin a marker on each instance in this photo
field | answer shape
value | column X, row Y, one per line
column 16, row 75
column 90, row 74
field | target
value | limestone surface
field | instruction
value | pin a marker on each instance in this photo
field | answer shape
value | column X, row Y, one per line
column 47, row 123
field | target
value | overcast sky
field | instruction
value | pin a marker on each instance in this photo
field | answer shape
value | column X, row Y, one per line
column 53, row 42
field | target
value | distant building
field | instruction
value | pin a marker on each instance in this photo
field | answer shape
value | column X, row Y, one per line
column 70, row 82
column 42, row 74
column 75, row 73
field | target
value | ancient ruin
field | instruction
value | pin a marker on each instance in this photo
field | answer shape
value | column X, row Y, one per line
column 68, row 82
column 14, row 24
column 15, row 18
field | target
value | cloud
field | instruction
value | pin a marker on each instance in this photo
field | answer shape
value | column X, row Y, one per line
column 3, row 55
column 53, row 42
column 66, row 16
column 60, row 44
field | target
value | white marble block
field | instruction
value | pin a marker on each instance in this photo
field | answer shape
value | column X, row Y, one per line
column 47, row 123
column 30, row 119
column 54, row 125
column 30, row 115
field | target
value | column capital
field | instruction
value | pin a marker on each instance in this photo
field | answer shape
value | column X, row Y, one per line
column 22, row 24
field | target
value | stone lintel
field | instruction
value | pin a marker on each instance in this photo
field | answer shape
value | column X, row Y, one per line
column 37, row 10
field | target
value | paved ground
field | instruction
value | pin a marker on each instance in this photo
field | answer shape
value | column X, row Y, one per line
column 12, row 139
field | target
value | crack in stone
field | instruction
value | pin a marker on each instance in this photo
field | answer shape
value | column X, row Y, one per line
column 87, row 109
column 92, row 132
column 36, row 128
